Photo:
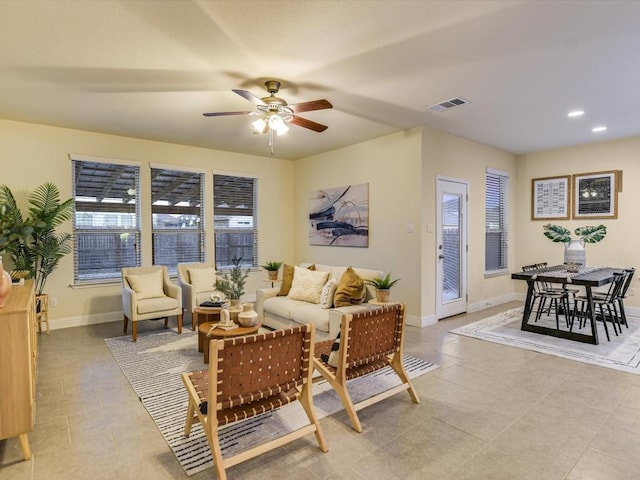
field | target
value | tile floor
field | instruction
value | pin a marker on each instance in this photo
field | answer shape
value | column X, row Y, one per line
column 489, row 412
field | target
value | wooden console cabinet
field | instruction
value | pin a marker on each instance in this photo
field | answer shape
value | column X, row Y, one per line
column 18, row 358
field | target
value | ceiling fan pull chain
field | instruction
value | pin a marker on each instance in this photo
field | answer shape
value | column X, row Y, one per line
column 271, row 141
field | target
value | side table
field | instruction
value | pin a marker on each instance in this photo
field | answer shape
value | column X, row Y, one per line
column 206, row 311
column 205, row 334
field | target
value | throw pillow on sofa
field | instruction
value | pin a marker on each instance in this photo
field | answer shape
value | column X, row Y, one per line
column 327, row 294
column 351, row 289
column 287, row 279
column 307, row 285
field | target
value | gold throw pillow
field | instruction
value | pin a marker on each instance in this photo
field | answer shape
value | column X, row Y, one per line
column 350, row 291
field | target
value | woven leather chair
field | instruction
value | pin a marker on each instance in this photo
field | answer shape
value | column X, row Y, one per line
column 248, row 376
column 369, row 340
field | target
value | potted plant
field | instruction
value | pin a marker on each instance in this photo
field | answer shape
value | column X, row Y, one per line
column 232, row 283
column 383, row 286
column 272, row 267
column 574, row 251
column 32, row 242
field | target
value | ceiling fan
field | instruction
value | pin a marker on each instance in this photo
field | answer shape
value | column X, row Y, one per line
column 275, row 112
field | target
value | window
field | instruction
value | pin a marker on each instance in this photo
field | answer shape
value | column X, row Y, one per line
column 106, row 222
column 496, row 221
column 177, row 217
column 235, row 220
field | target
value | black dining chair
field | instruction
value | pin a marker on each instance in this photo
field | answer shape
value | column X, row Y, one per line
column 550, row 300
column 606, row 307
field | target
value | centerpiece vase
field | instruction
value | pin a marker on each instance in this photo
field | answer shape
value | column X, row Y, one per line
column 574, row 252
column 248, row 316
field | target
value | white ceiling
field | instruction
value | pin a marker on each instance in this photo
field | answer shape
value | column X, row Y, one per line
column 149, row 69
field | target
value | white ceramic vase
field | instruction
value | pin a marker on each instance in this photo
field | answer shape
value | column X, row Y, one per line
column 247, row 317
column 574, row 252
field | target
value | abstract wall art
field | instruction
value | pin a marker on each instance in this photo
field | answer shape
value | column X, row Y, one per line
column 339, row 216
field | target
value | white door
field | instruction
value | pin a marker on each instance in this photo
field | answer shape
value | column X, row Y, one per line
column 451, row 244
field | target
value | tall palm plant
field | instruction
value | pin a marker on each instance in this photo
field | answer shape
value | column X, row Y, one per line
column 32, row 242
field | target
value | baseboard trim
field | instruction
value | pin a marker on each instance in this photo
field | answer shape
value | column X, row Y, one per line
column 492, row 302
column 420, row 322
column 81, row 321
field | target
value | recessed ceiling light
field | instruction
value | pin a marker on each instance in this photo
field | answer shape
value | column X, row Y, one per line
column 601, row 128
column 575, row 113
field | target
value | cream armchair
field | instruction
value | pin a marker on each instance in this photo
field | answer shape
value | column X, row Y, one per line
column 197, row 281
column 147, row 293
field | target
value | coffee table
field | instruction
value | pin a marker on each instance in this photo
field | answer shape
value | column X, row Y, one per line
column 205, row 334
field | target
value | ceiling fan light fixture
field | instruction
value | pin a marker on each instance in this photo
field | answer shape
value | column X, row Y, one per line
column 259, row 126
column 277, row 124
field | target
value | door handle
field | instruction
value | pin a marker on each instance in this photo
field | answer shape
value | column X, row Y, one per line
column 441, row 257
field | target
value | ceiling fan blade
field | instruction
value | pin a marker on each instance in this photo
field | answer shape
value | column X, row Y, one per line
column 220, row 114
column 303, row 122
column 247, row 95
column 310, row 106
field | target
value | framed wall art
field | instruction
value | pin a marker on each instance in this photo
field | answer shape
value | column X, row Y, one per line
column 551, row 198
column 596, row 194
column 340, row 216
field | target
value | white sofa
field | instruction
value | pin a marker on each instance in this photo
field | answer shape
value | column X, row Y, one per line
column 280, row 311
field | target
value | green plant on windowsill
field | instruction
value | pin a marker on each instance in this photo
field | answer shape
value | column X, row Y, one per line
column 232, row 283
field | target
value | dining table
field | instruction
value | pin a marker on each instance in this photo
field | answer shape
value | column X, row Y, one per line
column 587, row 277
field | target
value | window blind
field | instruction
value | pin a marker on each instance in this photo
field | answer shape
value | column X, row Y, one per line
column 235, row 220
column 106, row 221
column 177, row 213
column 496, row 221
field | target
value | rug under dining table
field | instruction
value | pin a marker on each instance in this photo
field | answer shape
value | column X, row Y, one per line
column 621, row 353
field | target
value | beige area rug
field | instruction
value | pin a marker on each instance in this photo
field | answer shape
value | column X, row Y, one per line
column 621, row 353
column 154, row 364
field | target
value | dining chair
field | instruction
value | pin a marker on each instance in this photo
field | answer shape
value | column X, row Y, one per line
column 248, row 376
column 606, row 307
column 551, row 300
column 368, row 341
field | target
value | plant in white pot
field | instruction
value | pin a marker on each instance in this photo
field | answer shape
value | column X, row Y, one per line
column 383, row 286
column 574, row 251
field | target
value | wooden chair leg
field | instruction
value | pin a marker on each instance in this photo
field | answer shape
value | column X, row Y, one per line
column 180, row 323
column 342, row 392
column 166, row 322
column 306, row 400
column 126, row 324
column 194, row 320
column 134, row 331
column 396, row 365
column 218, row 462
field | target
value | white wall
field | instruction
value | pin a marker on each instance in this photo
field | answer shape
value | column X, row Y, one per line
column 32, row 154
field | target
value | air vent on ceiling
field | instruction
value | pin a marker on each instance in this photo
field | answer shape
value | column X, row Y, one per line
column 448, row 104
